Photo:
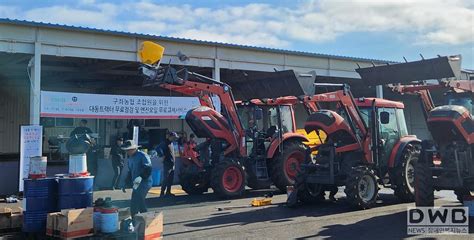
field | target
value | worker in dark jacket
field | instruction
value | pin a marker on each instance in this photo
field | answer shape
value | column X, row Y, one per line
column 168, row 163
column 82, row 129
column 117, row 155
column 139, row 166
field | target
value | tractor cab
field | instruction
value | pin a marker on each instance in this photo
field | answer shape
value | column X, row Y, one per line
column 391, row 124
column 264, row 124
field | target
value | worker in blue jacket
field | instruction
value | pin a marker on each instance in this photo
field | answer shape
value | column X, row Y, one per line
column 139, row 166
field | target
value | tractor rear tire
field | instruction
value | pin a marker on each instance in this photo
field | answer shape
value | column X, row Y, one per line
column 404, row 174
column 361, row 187
column 424, row 192
column 193, row 182
column 285, row 165
column 228, row 179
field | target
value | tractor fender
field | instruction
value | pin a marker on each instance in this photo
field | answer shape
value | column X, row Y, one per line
column 397, row 150
column 286, row 137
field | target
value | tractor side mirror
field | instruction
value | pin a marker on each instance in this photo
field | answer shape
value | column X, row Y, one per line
column 384, row 117
column 258, row 113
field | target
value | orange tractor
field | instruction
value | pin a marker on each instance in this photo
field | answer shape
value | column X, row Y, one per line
column 446, row 162
column 367, row 144
column 234, row 153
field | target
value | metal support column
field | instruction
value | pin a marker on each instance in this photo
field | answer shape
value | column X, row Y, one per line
column 216, row 71
column 379, row 91
column 35, row 85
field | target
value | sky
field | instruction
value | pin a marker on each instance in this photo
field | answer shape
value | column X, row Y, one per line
column 376, row 29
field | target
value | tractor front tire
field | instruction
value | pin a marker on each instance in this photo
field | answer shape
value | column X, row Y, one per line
column 361, row 187
column 228, row 179
column 285, row 165
column 192, row 181
column 404, row 174
column 424, row 192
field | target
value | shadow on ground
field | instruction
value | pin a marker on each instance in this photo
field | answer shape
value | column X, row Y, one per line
column 281, row 213
column 380, row 227
column 154, row 201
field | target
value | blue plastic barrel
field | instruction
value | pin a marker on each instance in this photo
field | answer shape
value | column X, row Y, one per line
column 156, row 177
column 40, row 198
column 75, row 192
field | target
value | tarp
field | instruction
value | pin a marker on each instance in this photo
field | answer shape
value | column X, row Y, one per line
column 435, row 68
column 250, row 85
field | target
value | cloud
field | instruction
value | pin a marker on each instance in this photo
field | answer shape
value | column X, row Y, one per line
column 418, row 22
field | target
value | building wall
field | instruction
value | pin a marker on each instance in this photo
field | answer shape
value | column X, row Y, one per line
column 14, row 111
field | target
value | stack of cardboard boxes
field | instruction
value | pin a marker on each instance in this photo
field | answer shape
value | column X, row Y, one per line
column 77, row 223
column 11, row 218
column 70, row 223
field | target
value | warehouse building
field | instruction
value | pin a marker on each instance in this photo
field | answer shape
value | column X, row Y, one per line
column 37, row 58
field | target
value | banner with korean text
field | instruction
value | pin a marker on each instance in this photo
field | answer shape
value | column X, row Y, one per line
column 82, row 105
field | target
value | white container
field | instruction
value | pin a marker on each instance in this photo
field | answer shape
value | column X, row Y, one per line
column 37, row 167
column 78, row 164
column 109, row 220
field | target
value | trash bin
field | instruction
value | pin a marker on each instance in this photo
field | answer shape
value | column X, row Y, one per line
column 156, row 177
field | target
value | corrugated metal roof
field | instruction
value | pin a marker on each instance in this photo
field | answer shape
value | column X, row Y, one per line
column 182, row 40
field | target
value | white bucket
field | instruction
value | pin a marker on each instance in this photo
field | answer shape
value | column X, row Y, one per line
column 78, row 164
column 37, row 167
column 109, row 222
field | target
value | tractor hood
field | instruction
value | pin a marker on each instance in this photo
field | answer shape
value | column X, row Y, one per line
column 251, row 85
column 426, row 69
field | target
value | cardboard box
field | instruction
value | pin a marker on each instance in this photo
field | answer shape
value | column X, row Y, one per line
column 51, row 222
column 69, row 224
column 11, row 218
column 149, row 225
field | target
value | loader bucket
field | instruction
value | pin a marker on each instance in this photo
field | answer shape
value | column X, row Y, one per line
column 434, row 68
column 261, row 85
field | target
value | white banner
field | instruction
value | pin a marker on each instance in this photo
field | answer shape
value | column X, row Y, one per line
column 31, row 145
column 82, row 105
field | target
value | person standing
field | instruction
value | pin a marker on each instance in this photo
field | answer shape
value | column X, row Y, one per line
column 82, row 129
column 139, row 166
column 92, row 152
column 168, row 163
column 117, row 155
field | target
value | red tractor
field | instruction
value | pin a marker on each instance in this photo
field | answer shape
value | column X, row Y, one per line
column 233, row 154
column 367, row 145
column 446, row 161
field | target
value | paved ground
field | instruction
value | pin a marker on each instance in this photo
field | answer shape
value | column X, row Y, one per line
column 197, row 217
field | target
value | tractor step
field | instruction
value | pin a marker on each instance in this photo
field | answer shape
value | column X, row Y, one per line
column 261, row 169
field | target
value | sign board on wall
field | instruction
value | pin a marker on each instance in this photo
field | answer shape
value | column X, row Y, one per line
column 31, row 145
column 82, row 105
